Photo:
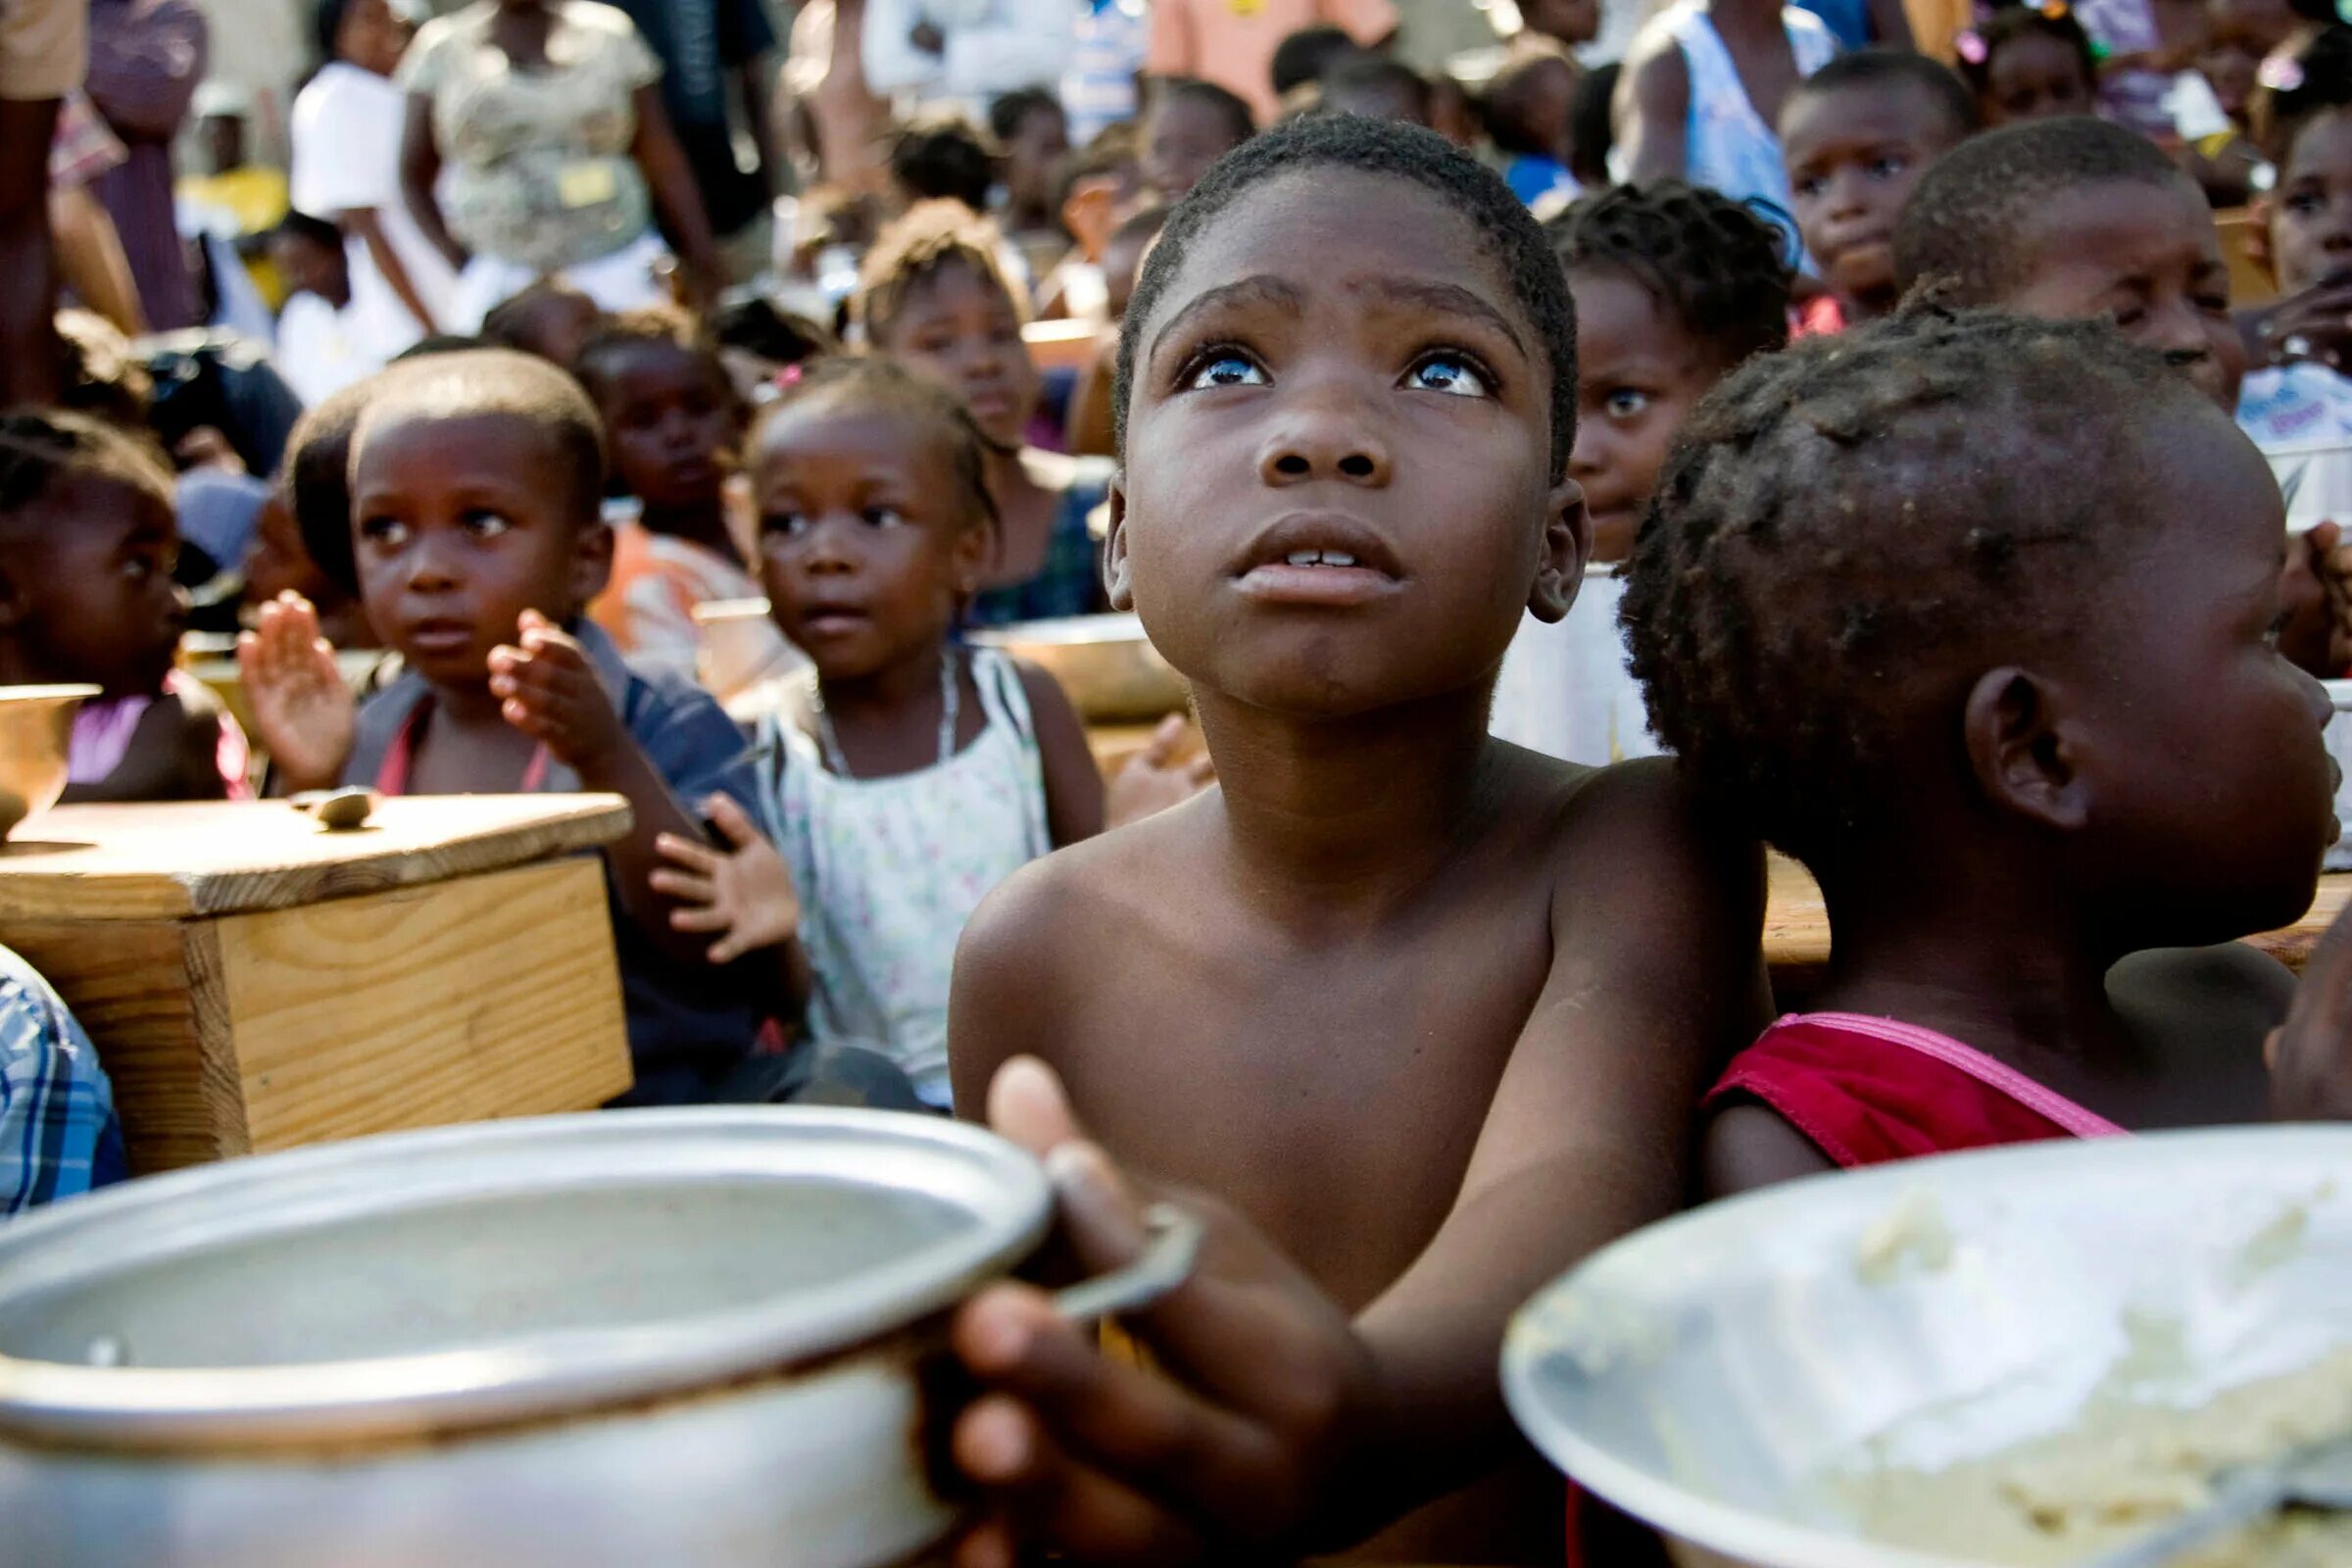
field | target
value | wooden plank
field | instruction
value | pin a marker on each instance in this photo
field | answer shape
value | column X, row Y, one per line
column 1797, row 929
column 161, row 862
column 488, row 995
column 148, row 994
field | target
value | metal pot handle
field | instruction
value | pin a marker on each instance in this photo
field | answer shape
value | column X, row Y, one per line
column 1171, row 1244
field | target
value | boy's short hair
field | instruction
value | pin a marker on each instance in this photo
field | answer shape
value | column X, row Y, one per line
column 930, row 238
column 498, row 382
column 1962, row 226
column 1306, row 54
column 1239, row 122
column 1721, row 269
column 503, row 325
column 1395, row 151
column 1846, row 527
column 1887, row 68
column 2313, row 82
column 1005, row 115
column 317, row 478
column 40, row 447
column 943, row 157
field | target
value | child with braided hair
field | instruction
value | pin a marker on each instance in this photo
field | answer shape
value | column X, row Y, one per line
column 2036, row 743
column 1674, row 287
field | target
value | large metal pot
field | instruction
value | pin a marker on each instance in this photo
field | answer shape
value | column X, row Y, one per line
column 706, row 1336
column 37, row 727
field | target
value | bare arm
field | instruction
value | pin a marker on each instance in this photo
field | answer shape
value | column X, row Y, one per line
column 29, row 354
column 1652, row 111
column 364, row 222
column 91, row 259
column 1073, row 784
column 419, row 168
column 680, row 198
column 1747, row 1146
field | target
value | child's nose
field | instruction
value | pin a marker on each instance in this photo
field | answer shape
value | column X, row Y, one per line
column 1329, row 441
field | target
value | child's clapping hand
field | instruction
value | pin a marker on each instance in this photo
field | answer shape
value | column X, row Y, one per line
column 743, row 894
column 548, row 690
column 1157, row 777
column 303, row 713
column 1233, row 1456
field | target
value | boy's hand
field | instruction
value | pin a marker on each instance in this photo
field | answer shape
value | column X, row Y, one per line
column 744, row 894
column 1153, row 779
column 2310, row 1054
column 301, row 712
column 550, row 692
column 1225, row 1458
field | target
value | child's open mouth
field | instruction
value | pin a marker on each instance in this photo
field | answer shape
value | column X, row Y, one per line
column 1318, row 560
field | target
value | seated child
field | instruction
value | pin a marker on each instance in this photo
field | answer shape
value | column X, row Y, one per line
column 318, row 352
column 1189, row 125
column 2301, row 397
column 550, row 320
column 932, row 296
column 88, row 546
column 303, row 546
column 1857, row 135
column 1530, row 109
column 2024, row 741
column 1434, row 1009
column 2029, row 63
column 2239, row 35
column 672, row 425
column 475, row 482
column 58, row 1132
column 1034, row 136
column 1673, row 287
column 909, row 778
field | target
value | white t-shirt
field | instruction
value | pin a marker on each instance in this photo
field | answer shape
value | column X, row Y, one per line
column 316, row 352
column 346, row 136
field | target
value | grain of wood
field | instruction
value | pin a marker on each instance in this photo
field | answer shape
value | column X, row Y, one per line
column 159, row 861
column 491, row 996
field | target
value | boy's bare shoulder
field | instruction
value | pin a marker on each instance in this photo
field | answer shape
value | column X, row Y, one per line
column 1634, row 814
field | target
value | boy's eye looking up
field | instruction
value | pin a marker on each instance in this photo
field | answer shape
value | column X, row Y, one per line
column 1453, row 375
column 1222, row 368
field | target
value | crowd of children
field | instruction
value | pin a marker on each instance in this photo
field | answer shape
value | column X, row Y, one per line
column 1537, row 550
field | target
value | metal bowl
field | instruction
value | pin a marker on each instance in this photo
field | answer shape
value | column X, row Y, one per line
column 1108, row 667
column 1720, row 1373
column 36, row 729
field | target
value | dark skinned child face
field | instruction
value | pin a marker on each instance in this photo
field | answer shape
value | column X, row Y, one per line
column 961, row 330
column 1854, row 155
column 463, row 523
column 670, row 415
column 1182, row 139
column 372, row 38
column 2036, row 77
column 1638, row 373
column 2147, row 256
column 309, row 267
column 86, row 587
column 2311, row 210
column 1039, row 144
column 2195, row 746
column 2239, row 35
column 1337, row 494
column 862, row 550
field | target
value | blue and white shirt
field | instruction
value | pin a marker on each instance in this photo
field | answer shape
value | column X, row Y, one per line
column 58, row 1132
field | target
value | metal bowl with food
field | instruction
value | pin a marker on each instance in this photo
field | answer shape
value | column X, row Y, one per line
column 36, row 733
column 1108, row 667
column 1761, row 1376
column 710, row 1336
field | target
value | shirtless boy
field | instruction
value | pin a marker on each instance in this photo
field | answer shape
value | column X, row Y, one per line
column 1425, row 1012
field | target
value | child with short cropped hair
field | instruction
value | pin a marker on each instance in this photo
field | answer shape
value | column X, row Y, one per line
column 475, row 483
column 909, row 777
column 551, row 321
column 1189, row 125
column 932, row 295
column 1857, row 135
column 1673, row 288
column 672, row 423
column 2024, row 740
column 2029, row 63
column 87, row 545
column 1446, row 1005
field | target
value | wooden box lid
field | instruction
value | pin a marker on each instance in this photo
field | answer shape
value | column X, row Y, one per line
column 167, row 861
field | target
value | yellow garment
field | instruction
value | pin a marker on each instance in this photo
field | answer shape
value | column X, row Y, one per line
column 1935, row 23
column 257, row 199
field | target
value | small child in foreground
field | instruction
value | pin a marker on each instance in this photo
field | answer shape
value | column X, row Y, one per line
column 1857, row 135
column 87, row 545
column 2026, row 741
column 1673, row 288
column 911, row 777
column 672, row 425
column 475, row 483
column 1434, row 1009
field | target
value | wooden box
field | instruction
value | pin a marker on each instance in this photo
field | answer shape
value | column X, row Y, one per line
column 253, row 982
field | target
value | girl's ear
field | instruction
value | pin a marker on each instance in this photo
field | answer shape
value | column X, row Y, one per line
column 591, row 563
column 974, row 547
column 1567, row 545
column 2025, row 749
column 1116, row 576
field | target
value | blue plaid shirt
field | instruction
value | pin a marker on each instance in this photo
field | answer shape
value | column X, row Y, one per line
column 58, row 1133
